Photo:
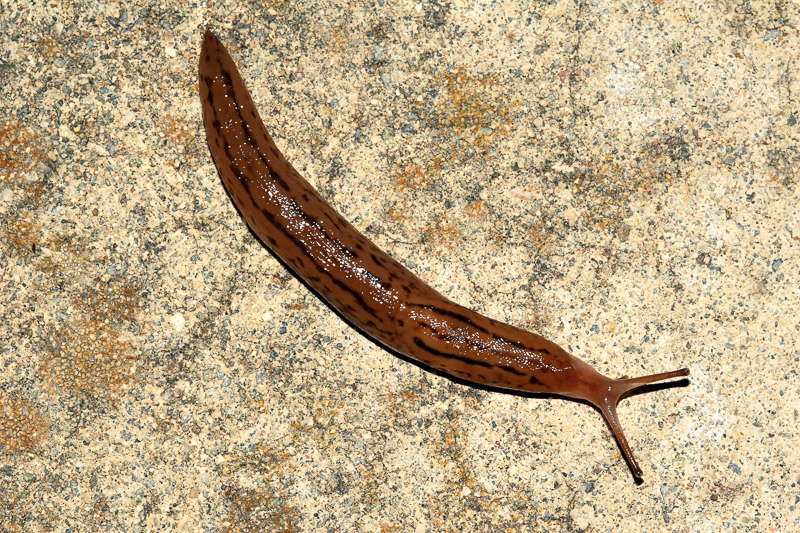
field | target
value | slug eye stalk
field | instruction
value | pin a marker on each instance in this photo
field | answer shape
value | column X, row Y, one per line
column 607, row 404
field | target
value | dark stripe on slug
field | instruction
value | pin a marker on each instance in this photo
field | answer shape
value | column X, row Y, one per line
column 358, row 298
column 227, row 82
column 425, row 325
column 385, row 332
column 466, row 320
column 457, row 339
column 419, row 342
column 301, row 260
column 512, row 342
column 511, row 370
column 210, row 95
column 242, row 179
column 459, row 316
column 446, row 312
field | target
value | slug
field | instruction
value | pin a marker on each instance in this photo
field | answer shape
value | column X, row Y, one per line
column 374, row 292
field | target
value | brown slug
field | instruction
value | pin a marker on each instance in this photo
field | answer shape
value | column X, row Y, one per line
column 374, row 292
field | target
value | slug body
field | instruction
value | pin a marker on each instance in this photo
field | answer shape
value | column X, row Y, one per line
column 374, row 292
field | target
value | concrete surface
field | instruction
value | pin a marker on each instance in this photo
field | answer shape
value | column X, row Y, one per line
column 621, row 177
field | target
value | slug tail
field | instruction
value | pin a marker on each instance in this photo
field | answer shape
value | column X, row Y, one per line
column 607, row 404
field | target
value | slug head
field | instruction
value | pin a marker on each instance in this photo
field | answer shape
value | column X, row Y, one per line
column 604, row 393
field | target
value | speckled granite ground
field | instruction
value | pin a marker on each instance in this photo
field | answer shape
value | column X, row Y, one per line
column 622, row 177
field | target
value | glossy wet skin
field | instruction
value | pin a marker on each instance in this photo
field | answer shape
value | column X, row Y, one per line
column 373, row 291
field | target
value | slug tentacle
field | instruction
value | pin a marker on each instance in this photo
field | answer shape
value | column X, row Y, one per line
column 375, row 293
column 607, row 404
